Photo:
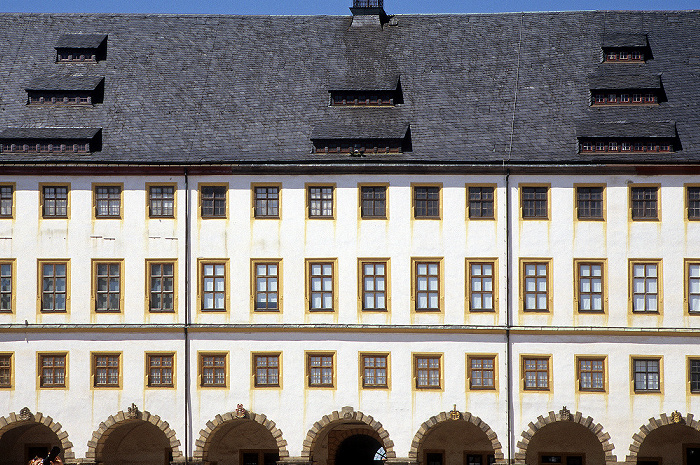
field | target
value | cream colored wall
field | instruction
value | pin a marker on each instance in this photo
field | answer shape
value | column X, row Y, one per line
column 293, row 238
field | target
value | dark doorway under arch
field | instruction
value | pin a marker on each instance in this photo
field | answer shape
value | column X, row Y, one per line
column 23, row 442
column 360, row 449
column 134, row 442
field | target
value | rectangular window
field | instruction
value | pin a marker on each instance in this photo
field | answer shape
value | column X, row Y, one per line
column 5, row 370
column 162, row 287
column 693, row 286
column 267, row 370
column 534, row 202
column 693, row 376
column 589, row 203
column 480, row 459
column 320, row 201
column 54, row 286
column 213, row 286
column 373, row 201
column 320, row 370
column 482, row 372
column 6, row 201
column 213, row 201
column 645, row 286
column 480, row 287
column 427, row 286
column 53, row 370
column 106, row 370
column 536, row 293
column 108, row 286
column 693, row 202
column 374, row 286
column 54, row 201
column 108, row 201
column 321, row 286
column 591, row 374
column 536, row 373
column 267, row 277
column 161, row 201
column 374, row 371
column 6, row 284
column 212, row 370
column 481, row 202
column 427, row 371
column 590, row 286
column 267, row 201
column 160, row 370
column 647, row 375
column 645, row 203
column 426, row 202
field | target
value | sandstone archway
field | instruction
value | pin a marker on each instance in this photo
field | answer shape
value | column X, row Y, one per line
column 466, row 425
column 141, row 426
column 566, row 424
column 26, row 424
column 232, row 419
column 664, row 437
column 351, row 423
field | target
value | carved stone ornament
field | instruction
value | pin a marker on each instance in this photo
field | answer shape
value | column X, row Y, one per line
column 565, row 414
column 25, row 414
column 676, row 417
column 454, row 413
column 241, row 412
column 133, row 411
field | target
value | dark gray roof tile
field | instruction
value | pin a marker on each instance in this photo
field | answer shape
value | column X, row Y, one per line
column 49, row 133
column 619, row 79
column 80, row 40
column 665, row 129
column 65, row 82
column 614, row 40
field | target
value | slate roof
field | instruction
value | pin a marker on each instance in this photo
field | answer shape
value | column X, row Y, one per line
column 64, row 82
column 80, row 40
column 254, row 89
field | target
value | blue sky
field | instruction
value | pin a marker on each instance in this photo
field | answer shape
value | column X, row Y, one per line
column 330, row 7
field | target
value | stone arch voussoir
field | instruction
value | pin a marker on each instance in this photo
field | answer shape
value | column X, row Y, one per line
column 100, row 435
column 442, row 417
column 655, row 423
column 25, row 417
column 348, row 414
column 565, row 415
column 202, row 444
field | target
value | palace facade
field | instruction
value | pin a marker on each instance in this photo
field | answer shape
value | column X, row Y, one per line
column 331, row 240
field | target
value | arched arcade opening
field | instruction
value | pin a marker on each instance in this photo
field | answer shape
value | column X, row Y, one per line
column 455, row 438
column 26, row 435
column 565, row 439
column 348, row 438
column 674, row 441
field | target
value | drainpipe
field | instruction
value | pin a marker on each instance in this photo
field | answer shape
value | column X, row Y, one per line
column 188, row 406
column 509, row 297
column 509, row 254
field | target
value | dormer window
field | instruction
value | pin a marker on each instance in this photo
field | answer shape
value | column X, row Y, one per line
column 51, row 140
column 617, row 88
column 363, row 98
column 356, row 92
column 361, row 141
column 65, row 90
column 626, row 48
column 77, row 48
column 652, row 137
